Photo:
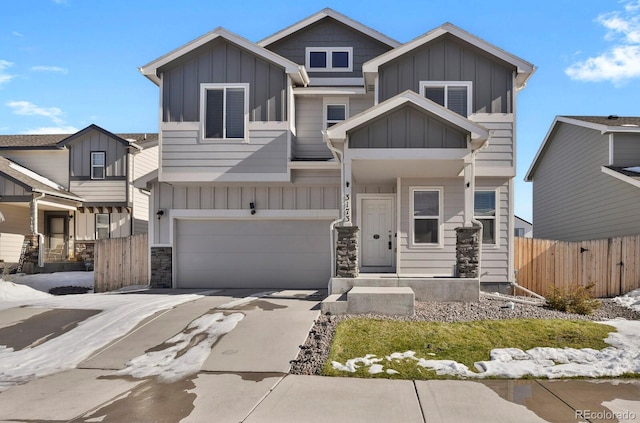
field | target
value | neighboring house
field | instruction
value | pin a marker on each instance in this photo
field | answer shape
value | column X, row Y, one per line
column 586, row 178
column 265, row 147
column 72, row 189
column 522, row 228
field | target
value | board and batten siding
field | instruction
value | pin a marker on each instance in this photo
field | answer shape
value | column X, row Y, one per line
column 85, row 225
column 440, row 261
column 329, row 33
column 101, row 191
column 225, row 197
column 308, row 142
column 185, row 158
column 220, row 61
column 52, row 164
column 626, row 150
column 80, row 155
column 449, row 59
column 407, row 127
column 143, row 163
column 572, row 199
column 8, row 188
column 500, row 148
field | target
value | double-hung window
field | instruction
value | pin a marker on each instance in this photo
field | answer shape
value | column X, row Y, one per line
column 426, row 218
column 454, row 95
column 102, row 226
column 485, row 212
column 97, row 164
column 224, row 110
column 329, row 59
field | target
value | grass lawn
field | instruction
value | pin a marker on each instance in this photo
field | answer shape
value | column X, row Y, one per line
column 464, row 342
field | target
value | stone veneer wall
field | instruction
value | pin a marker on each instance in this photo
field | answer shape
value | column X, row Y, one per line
column 161, row 267
column 468, row 252
column 30, row 262
column 347, row 251
column 84, row 251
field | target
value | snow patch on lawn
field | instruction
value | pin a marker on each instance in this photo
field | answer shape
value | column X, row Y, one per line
column 10, row 291
column 630, row 300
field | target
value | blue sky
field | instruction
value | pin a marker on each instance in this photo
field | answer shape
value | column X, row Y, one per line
column 65, row 64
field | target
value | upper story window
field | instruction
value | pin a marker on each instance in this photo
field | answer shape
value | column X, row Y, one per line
column 485, row 212
column 519, row 232
column 454, row 95
column 426, row 216
column 224, row 110
column 329, row 59
column 336, row 109
column 102, row 226
column 97, row 164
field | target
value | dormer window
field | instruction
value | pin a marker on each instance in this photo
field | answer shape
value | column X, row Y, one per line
column 224, row 111
column 454, row 95
column 329, row 59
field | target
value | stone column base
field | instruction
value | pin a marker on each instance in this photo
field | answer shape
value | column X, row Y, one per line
column 347, row 251
column 161, row 267
column 468, row 252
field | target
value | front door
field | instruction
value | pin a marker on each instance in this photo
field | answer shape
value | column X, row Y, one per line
column 377, row 232
column 57, row 231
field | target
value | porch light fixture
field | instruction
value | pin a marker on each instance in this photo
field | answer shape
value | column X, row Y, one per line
column 160, row 213
column 252, row 206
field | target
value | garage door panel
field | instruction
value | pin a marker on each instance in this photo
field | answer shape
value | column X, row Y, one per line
column 252, row 254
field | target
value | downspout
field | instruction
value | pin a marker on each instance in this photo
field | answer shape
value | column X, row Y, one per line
column 34, row 228
column 338, row 156
column 472, row 187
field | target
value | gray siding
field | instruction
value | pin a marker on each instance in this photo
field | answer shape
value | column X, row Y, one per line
column 330, row 33
column 85, row 225
column 572, row 199
column 52, row 164
column 99, row 191
column 499, row 152
column 225, row 197
column 80, row 155
column 8, row 188
column 144, row 162
column 222, row 62
column 407, row 127
column 440, row 261
column 626, row 150
column 308, row 143
column 186, row 159
column 448, row 59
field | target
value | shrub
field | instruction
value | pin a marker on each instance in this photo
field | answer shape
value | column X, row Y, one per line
column 577, row 300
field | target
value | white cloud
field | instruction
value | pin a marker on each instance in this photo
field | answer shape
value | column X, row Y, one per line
column 60, row 1
column 26, row 108
column 17, row 34
column 58, row 69
column 5, row 77
column 51, row 130
column 621, row 61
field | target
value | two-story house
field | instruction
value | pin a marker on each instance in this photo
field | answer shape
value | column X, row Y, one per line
column 69, row 190
column 585, row 178
column 270, row 152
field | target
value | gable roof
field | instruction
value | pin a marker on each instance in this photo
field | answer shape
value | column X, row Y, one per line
column 328, row 13
column 603, row 124
column 524, row 68
column 94, row 127
column 34, row 181
column 478, row 132
column 52, row 141
column 297, row 72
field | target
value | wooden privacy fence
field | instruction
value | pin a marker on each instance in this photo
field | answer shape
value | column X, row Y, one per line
column 612, row 264
column 120, row 262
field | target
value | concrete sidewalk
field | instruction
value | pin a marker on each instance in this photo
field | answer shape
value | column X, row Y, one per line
column 245, row 379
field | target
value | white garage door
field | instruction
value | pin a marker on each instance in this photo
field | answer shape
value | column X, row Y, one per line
column 252, row 254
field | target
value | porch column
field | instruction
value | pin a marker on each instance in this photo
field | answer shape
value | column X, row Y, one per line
column 347, row 251
column 468, row 251
column 346, row 189
column 469, row 189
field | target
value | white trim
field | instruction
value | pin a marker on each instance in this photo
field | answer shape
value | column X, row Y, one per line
column 440, row 243
column 204, row 87
column 394, row 229
column 611, row 149
column 328, row 51
column 618, row 175
column 268, row 126
column 103, row 165
column 406, row 153
column 334, row 101
column 179, row 126
column 160, row 246
column 327, row 12
column 329, row 91
column 223, row 177
column 314, row 165
column 496, row 217
column 446, row 84
column 398, row 222
column 336, row 82
column 57, row 205
column 511, row 272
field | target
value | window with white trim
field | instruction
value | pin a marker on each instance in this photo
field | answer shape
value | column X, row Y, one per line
column 485, row 212
column 98, row 159
column 454, row 95
column 224, row 110
column 329, row 59
column 102, row 226
column 426, row 216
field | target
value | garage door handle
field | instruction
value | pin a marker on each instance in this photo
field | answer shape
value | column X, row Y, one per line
column 376, row 236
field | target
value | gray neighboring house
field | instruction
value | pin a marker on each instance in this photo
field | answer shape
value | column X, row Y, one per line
column 586, row 177
column 67, row 190
column 522, row 228
column 270, row 150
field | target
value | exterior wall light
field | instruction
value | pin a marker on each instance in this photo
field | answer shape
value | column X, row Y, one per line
column 160, row 213
column 252, row 206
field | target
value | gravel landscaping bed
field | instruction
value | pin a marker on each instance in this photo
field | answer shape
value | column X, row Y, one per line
column 315, row 350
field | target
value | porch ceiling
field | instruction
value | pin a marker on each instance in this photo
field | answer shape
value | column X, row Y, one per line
column 385, row 169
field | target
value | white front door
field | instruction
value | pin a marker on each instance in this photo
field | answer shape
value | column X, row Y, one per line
column 376, row 232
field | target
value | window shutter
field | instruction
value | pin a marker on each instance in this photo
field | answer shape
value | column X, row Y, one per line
column 215, row 112
column 235, row 113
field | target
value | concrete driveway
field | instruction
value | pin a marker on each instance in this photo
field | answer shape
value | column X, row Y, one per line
column 244, row 378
